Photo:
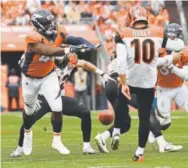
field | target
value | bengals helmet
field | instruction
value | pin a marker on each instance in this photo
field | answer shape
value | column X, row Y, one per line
column 44, row 22
column 138, row 14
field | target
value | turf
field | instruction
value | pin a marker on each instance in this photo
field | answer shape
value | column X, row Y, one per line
column 44, row 157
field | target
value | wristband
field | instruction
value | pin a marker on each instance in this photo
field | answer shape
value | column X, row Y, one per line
column 100, row 72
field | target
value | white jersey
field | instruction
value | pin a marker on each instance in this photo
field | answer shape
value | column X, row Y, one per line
column 112, row 67
column 137, row 58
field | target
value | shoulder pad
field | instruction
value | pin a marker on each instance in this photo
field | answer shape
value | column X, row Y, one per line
column 118, row 38
column 33, row 37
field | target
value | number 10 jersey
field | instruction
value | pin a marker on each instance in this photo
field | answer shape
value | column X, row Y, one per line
column 142, row 52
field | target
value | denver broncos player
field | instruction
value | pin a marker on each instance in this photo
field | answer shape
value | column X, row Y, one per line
column 38, row 73
column 137, row 52
column 171, row 75
column 71, row 107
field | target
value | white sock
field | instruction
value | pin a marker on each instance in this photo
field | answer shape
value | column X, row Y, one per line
column 86, row 145
column 161, row 141
column 116, row 131
column 139, row 151
column 27, row 131
column 105, row 135
column 57, row 137
column 20, row 147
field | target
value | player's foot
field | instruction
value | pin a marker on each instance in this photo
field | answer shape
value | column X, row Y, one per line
column 115, row 142
column 17, row 152
column 89, row 150
column 58, row 145
column 101, row 144
column 151, row 137
column 138, row 158
column 27, row 143
column 169, row 147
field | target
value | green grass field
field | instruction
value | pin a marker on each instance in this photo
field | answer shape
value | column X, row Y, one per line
column 44, row 157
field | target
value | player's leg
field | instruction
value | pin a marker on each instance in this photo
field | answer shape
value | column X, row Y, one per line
column 164, row 102
column 145, row 99
column 181, row 97
column 30, row 89
column 111, row 89
column 121, row 110
column 72, row 107
column 42, row 108
column 52, row 92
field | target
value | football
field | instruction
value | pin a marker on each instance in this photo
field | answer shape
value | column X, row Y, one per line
column 106, row 118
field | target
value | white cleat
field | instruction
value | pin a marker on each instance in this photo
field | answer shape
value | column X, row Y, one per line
column 151, row 137
column 60, row 148
column 115, row 142
column 17, row 152
column 89, row 150
column 101, row 144
column 27, row 143
column 170, row 148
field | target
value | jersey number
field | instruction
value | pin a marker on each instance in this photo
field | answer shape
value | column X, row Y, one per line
column 144, row 51
column 44, row 58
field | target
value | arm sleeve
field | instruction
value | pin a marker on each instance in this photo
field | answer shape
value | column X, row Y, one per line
column 167, row 60
column 76, row 40
column 182, row 73
column 121, row 52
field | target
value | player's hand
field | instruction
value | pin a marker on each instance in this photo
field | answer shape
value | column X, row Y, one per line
column 184, row 56
column 176, row 58
column 72, row 59
column 107, row 78
column 125, row 91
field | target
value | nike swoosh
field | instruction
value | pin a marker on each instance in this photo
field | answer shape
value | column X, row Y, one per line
column 102, row 141
column 167, row 149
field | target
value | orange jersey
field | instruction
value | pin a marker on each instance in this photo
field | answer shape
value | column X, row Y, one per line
column 35, row 65
column 168, row 80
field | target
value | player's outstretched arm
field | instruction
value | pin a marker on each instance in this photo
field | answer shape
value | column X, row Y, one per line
column 121, row 52
column 182, row 73
column 168, row 59
column 46, row 50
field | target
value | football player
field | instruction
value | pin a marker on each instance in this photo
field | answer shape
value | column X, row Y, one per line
column 171, row 76
column 38, row 73
column 111, row 93
column 137, row 52
column 71, row 107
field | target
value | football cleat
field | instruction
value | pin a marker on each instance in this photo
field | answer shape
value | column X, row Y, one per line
column 138, row 158
column 151, row 137
column 58, row 145
column 17, row 152
column 89, row 150
column 27, row 143
column 115, row 142
column 101, row 144
column 169, row 147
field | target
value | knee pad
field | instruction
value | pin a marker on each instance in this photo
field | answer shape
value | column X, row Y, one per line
column 166, row 126
column 164, row 121
column 84, row 113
